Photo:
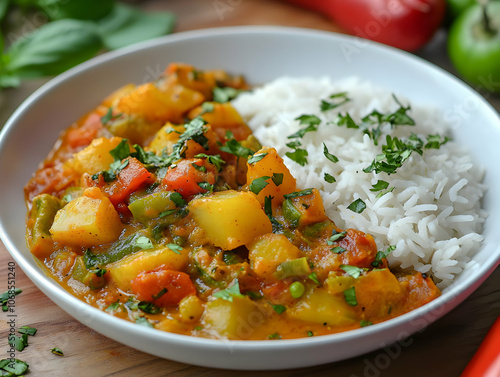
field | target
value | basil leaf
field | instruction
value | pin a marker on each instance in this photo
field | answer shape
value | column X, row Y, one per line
column 52, row 49
column 76, row 9
column 357, row 206
column 126, row 25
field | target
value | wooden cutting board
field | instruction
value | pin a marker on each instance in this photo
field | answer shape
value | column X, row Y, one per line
column 442, row 349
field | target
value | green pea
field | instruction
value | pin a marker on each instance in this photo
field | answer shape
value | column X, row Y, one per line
column 297, row 289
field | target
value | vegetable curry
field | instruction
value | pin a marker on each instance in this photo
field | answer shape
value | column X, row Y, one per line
column 161, row 207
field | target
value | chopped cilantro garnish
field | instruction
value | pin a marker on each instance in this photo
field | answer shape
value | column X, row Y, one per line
column 108, row 117
column 144, row 243
column 434, row 141
column 207, row 107
column 329, row 178
column 115, row 305
column 380, row 185
column 121, row 151
column 310, row 333
column 19, row 342
column 350, row 296
column 161, row 293
column 143, row 322
column 206, row 186
column 364, row 323
column 337, row 250
column 175, row 248
column 382, row 254
column 4, row 297
column 296, row 194
column 311, row 121
column 229, row 293
column 13, row 367
column 28, row 330
column 357, row 206
column 314, row 278
column 234, row 147
column 299, row 155
column 225, row 94
column 256, row 158
column 149, row 307
column 330, row 105
column 258, row 184
column 328, row 155
column 345, row 120
column 167, row 213
column 278, row 308
column 277, row 178
column 215, row 160
column 336, row 236
column 353, row 271
column 274, row 336
column 177, row 199
column 199, row 167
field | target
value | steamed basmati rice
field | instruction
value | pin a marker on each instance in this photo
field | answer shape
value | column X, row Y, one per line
column 433, row 216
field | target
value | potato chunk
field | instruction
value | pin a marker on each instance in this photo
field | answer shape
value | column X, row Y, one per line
column 89, row 220
column 95, row 157
column 267, row 252
column 125, row 270
column 319, row 306
column 271, row 164
column 230, row 318
column 230, row 218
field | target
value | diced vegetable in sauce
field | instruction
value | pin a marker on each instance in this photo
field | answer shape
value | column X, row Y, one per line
column 162, row 208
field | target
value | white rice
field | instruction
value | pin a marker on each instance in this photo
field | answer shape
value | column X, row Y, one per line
column 433, row 216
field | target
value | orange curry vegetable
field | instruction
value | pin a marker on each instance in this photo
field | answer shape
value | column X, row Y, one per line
column 161, row 208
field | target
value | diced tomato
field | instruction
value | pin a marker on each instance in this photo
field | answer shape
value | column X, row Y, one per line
column 130, row 179
column 83, row 135
column 163, row 287
column 186, row 176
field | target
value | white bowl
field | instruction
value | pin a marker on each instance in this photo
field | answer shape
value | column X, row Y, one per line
column 261, row 54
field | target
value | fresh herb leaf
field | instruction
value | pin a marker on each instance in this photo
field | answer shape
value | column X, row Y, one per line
column 52, row 49
column 16, row 367
column 364, row 323
column 144, row 322
column 380, row 185
column 256, row 158
column 274, row 336
column 149, row 307
column 234, row 147
column 28, row 330
column 277, row 178
column 296, row 194
column 314, row 278
column 199, row 167
column 329, row 178
column 144, row 243
column 278, row 308
column 382, row 193
column 258, row 184
column 161, row 293
column 353, row 271
column 435, row 141
column 206, row 186
column 18, row 342
column 310, row 333
column 308, row 120
column 229, row 293
column 207, row 107
column 225, row 94
column 357, row 206
column 299, row 156
column 167, row 213
column 215, row 160
column 336, row 236
column 126, row 25
column 345, row 120
column 108, row 117
column 6, row 296
column 338, row 250
column 328, row 155
column 330, row 105
column 381, row 255
column 177, row 199
column 350, row 296
column 115, row 305
column 175, row 248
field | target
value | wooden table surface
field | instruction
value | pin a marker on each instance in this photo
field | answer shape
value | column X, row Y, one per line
column 443, row 349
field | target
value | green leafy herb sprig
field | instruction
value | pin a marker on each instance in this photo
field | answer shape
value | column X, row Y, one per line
column 76, row 31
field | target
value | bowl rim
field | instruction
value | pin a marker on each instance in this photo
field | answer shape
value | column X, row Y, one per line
column 51, row 288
